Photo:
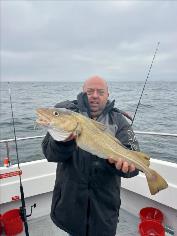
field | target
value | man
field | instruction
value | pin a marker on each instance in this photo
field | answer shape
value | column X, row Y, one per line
column 86, row 196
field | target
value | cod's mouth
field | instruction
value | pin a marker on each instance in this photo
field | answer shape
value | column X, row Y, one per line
column 43, row 118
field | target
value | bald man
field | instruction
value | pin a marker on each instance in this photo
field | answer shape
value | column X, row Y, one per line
column 86, row 196
column 97, row 93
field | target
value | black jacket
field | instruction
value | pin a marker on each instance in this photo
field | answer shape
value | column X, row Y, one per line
column 86, row 196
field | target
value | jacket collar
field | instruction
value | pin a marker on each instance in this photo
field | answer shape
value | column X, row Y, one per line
column 83, row 105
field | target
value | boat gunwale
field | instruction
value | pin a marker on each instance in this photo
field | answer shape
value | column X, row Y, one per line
column 136, row 132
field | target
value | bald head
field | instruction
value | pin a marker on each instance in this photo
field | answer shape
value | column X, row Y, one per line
column 97, row 93
column 95, row 80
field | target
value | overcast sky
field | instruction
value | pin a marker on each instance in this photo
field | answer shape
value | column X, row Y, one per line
column 72, row 40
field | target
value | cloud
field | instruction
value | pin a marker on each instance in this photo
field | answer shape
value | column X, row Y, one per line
column 70, row 40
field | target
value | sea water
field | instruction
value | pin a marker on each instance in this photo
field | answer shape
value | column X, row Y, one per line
column 157, row 112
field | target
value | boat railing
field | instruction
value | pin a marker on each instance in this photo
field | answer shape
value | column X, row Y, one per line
column 8, row 141
column 20, row 139
column 42, row 136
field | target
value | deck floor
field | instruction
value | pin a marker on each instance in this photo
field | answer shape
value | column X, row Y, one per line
column 128, row 226
column 43, row 226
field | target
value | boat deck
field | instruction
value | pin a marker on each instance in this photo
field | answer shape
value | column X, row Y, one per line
column 43, row 226
column 128, row 226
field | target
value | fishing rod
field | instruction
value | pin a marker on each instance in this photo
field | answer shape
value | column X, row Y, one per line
column 145, row 82
column 23, row 207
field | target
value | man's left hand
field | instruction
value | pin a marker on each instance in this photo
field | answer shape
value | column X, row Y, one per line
column 122, row 165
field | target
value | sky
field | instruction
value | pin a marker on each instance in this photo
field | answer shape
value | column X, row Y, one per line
column 73, row 40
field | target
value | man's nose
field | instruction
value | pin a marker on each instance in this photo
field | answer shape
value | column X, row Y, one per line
column 95, row 93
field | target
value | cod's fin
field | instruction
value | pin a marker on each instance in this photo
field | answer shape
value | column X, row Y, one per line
column 103, row 128
column 156, row 182
column 77, row 132
column 143, row 157
column 78, row 129
column 99, row 125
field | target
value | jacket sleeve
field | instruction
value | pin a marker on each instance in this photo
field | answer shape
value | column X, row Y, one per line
column 127, row 137
column 56, row 151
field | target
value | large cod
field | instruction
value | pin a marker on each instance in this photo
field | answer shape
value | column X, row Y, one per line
column 92, row 137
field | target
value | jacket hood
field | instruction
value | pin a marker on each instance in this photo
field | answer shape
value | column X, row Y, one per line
column 83, row 104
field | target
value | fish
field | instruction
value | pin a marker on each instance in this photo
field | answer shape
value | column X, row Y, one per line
column 92, row 136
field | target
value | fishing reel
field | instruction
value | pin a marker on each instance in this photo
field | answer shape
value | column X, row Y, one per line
column 23, row 211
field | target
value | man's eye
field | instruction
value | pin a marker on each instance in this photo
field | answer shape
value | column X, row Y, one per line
column 101, row 93
column 90, row 92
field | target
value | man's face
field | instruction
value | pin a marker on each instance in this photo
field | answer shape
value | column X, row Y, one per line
column 97, row 93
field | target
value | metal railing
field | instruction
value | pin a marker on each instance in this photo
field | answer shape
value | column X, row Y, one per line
column 156, row 133
column 20, row 139
column 136, row 132
column 7, row 141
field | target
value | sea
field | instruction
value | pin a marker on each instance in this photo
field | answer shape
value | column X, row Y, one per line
column 157, row 112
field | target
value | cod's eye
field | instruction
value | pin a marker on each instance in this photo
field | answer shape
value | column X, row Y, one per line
column 56, row 113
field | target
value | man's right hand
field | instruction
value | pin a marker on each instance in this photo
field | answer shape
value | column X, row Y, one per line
column 70, row 137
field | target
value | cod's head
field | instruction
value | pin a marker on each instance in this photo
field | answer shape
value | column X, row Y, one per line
column 56, row 118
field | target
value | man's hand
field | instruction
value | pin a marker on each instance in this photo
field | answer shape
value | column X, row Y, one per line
column 122, row 165
column 71, row 137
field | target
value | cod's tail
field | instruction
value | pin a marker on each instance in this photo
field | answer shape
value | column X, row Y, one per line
column 155, row 182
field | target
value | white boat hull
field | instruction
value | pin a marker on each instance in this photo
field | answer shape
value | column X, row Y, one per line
column 38, row 179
